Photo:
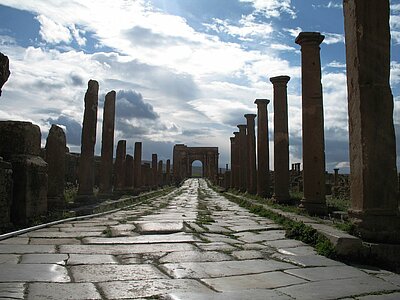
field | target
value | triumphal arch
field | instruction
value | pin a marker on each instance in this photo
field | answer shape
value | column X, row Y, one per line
column 184, row 156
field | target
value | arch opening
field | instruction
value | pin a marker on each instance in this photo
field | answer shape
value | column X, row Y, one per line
column 197, row 169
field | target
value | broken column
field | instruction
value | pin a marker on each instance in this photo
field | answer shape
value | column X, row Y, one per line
column 88, row 141
column 107, row 144
column 4, row 70
column 55, row 158
column 5, row 194
column 263, row 181
column 313, row 124
column 281, row 139
column 160, row 173
column 20, row 145
column 243, row 157
column 154, row 178
column 137, row 168
column 128, row 172
column 251, row 154
column 373, row 179
column 119, row 166
column 168, row 172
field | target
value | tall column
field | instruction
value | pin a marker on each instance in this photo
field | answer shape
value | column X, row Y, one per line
column 137, row 171
column 119, row 166
column 373, row 181
column 251, row 154
column 236, row 166
column 263, row 182
column 232, row 184
column 313, row 124
column 160, row 173
column 129, row 172
column 107, row 143
column 154, row 170
column 88, row 141
column 243, row 157
column 168, row 172
column 281, row 139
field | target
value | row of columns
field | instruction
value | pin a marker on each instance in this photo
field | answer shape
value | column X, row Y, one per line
column 373, row 182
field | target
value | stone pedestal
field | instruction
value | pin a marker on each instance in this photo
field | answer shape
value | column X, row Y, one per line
column 119, row 166
column 374, row 186
column 154, row 181
column 263, row 181
column 281, row 140
column 251, row 154
column 6, row 185
column 88, row 141
column 20, row 145
column 107, row 144
column 313, row 124
column 137, row 167
column 55, row 158
column 243, row 154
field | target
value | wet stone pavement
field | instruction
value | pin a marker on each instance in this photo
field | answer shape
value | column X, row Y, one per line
column 190, row 244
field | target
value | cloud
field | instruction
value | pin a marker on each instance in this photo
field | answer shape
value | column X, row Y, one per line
column 273, row 8
column 52, row 32
column 333, row 38
column 336, row 64
column 282, row 47
column 73, row 129
column 130, row 104
column 294, row 32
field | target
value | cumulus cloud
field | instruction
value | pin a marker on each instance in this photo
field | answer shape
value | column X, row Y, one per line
column 273, row 8
column 130, row 104
column 73, row 129
column 333, row 38
column 52, row 32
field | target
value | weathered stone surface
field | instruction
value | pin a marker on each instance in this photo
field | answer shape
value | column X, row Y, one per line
column 54, row 234
column 107, row 143
column 55, row 158
column 88, row 140
column 223, row 268
column 149, row 288
column 12, row 290
column 313, row 123
column 89, row 259
column 392, row 296
column 327, row 273
column 194, row 256
column 263, row 182
column 159, row 227
column 247, row 254
column 334, row 289
column 58, row 259
column 119, row 166
column 281, row 139
column 54, row 241
column 33, row 272
column 154, row 172
column 257, row 281
column 168, row 172
column 307, row 260
column 251, row 157
column 99, row 273
column 21, row 249
column 137, row 171
column 216, row 246
column 375, row 210
column 144, row 239
column 128, row 172
column 249, row 294
column 250, row 237
column 243, row 154
column 4, row 70
column 9, row 258
column 5, row 193
column 76, row 291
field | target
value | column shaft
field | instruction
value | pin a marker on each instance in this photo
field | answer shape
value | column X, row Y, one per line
column 251, row 157
column 137, row 173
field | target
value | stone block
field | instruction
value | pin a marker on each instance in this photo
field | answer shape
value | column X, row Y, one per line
column 5, row 193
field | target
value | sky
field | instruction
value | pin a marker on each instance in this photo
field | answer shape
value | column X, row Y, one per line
column 185, row 71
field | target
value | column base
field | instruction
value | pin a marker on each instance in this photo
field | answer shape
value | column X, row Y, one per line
column 314, row 208
column 379, row 228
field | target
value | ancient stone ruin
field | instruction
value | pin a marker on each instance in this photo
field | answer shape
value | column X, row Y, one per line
column 4, row 70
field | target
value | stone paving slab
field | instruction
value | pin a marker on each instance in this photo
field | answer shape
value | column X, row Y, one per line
column 58, row 259
column 216, row 246
column 16, row 240
column 247, row 254
column 159, row 227
column 256, row 281
column 327, row 273
column 254, row 294
column 54, row 241
column 12, row 290
column 252, row 237
column 302, row 250
column 83, row 229
column 33, row 272
column 223, row 268
column 52, row 234
column 194, row 256
column 307, row 260
column 91, row 259
column 180, row 237
column 22, row 249
column 9, row 258
column 333, row 289
column 149, row 288
column 125, row 249
column 62, row 291
column 99, row 273
column 285, row 243
column 391, row 296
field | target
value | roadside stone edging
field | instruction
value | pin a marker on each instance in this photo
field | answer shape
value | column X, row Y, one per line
column 344, row 243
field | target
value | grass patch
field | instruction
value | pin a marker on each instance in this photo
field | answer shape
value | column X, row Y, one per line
column 338, row 203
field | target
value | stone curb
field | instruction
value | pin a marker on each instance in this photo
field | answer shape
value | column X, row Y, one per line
column 344, row 243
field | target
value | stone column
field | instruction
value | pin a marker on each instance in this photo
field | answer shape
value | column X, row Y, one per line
column 119, row 166
column 243, row 157
column 236, row 165
column 168, row 172
column 88, row 141
column 4, row 70
column 373, row 181
column 313, row 124
column 154, row 170
column 281, row 139
column 160, row 173
column 232, row 183
column 55, row 157
column 251, row 159
column 137, row 172
column 6, row 185
column 128, row 172
column 336, row 177
column 107, row 143
column 263, row 181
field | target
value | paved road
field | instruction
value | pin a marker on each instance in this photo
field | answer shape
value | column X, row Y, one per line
column 190, row 244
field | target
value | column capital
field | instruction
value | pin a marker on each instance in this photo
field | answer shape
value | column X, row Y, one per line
column 235, row 134
column 280, row 80
column 262, row 101
column 232, row 138
column 310, row 38
column 242, row 127
column 250, row 116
